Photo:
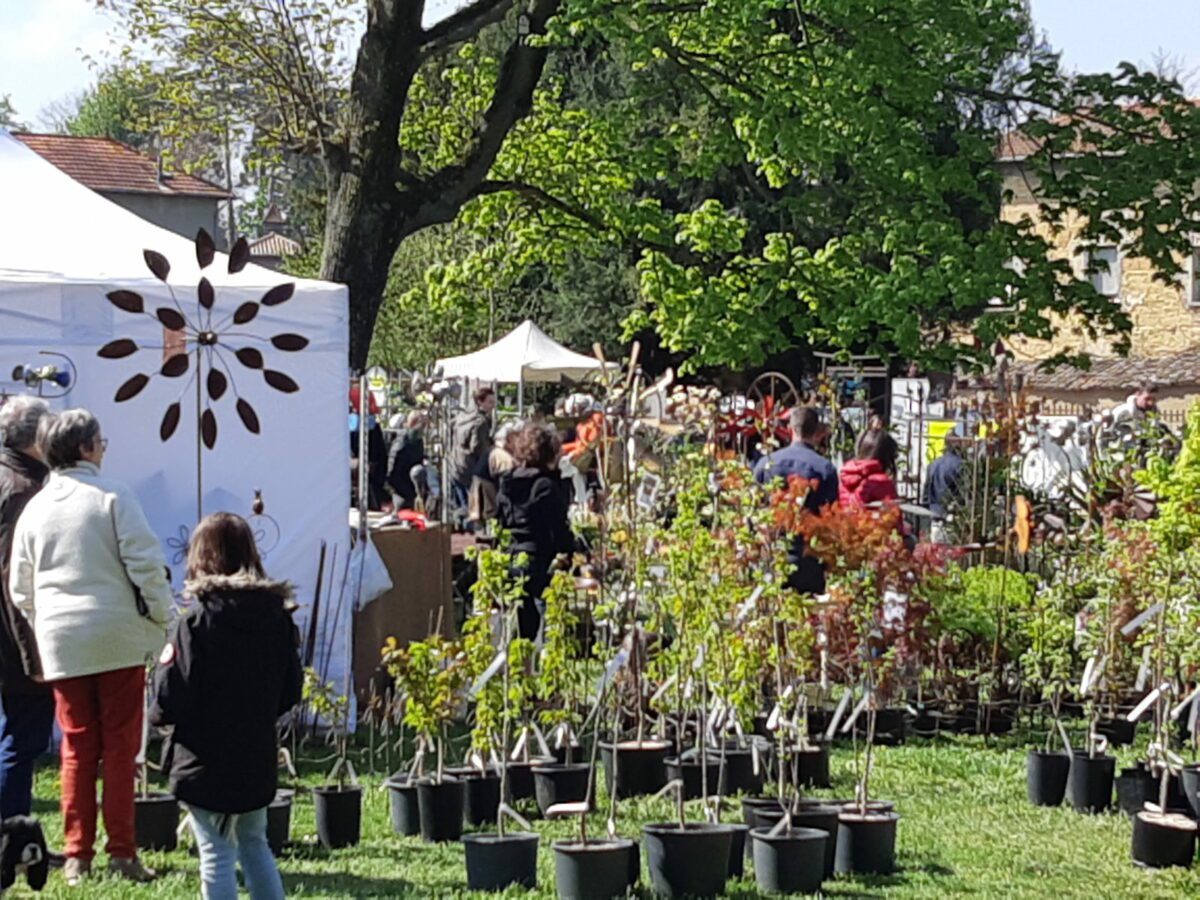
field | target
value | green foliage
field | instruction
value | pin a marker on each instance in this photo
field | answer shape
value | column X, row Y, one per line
column 1049, row 662
column 119, row 106
column 971, row 602
column 432, row 675
column 8, row 115
column 558, row 679
column 1177, row 486
column 333, row 707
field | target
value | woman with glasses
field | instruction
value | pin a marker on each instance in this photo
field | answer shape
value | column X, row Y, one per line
column 89, row 575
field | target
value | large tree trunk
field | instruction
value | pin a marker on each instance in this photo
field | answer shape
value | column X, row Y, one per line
column 373, row 205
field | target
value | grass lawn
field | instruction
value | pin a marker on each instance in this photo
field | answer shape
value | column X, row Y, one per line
column 966, row 830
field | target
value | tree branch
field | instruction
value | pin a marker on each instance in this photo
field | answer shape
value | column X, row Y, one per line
column 463, row 25
column 443, row 193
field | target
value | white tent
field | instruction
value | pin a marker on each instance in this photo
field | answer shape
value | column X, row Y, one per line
column 252, row 364
column 524, row 354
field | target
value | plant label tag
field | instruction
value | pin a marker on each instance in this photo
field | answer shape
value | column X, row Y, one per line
column 612, row 828
column 1178, row 710
column 561, row 735
column 837, row 714
column 773, row 718
column 543, row 747
column 489, row 673
column 675, row 784
column 912, row 710
column 1062, row 733
column 689, row 688
column 748, row 605
column 1136, row 712
column 658, row 573
column 1143, row 674
column 698, row 662
column 1139, row 620
column 862, row 704
column 754, row 760
column 788, row 691
column 506, row 810
column 477, row 761
column 519, row 747
column 1192, row 720
column 663, row 688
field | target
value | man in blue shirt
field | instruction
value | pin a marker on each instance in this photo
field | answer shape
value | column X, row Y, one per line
column 801, row 459
column 942, row 491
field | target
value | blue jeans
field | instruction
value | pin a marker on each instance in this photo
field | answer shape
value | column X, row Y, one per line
column 222, row 847
column 26, row 721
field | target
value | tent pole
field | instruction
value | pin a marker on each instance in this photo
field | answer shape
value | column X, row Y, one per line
column 521, row 396
column 199, row 442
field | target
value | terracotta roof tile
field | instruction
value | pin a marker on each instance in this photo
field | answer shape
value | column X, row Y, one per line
column 1176, row 370
column 105, row 165
column 274, row 244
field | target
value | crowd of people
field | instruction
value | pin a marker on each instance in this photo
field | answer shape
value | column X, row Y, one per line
column 86, row 606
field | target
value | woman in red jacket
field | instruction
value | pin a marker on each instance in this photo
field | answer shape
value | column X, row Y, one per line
column 869, row 479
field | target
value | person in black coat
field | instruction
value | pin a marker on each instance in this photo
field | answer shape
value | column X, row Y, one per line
column 230, row 669
column 407, row 450
column 26, row 703
column 532, row 508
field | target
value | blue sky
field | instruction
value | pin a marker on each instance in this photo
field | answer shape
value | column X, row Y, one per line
column 44, row 43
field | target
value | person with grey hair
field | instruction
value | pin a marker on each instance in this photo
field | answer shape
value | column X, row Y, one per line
column 26, row 702
column 89, row 574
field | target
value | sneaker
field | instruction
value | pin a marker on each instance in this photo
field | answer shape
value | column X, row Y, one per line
column 131, row 869
column 75, row 870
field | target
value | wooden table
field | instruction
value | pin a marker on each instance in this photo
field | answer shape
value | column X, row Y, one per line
column 421, row 597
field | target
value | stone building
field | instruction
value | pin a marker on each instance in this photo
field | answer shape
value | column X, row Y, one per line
column 1165, row 341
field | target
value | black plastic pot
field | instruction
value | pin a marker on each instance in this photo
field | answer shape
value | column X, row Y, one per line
column 737, row 849
column 1190, row 785
column 872, row 806
column 481, row 799
column 1090, row 782
column 737, row 772
column 405, row 810
column 689, row 771
column 1162, row 840
column 1046, row 777
column 688, row 862
column 494, row 862
column 155, row 821
column 809, row 815
column 866, row 845
column 595, row 870
column 560, row 783
column 811, row 765
column 1120, row 732
column 339, row 815
column 891, row 726
column 440, row 809
column 752, row 807
column 640, row 767
column 1134, row 787
column 520, row 777
column 818, row 720
column 792, row 862
column 279, row 821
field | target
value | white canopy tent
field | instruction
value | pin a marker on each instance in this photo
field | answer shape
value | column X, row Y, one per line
column 525, row 354
column 275, row 366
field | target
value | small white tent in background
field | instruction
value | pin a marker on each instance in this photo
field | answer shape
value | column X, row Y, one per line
column 525, row 354
column 267, row 372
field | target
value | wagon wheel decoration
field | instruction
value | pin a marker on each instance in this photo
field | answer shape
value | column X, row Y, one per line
column 204, row 342
column 774, row 396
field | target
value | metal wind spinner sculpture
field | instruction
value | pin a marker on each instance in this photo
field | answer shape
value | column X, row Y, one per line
column 205, row 348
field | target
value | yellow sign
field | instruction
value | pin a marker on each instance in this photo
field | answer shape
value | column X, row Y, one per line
column 936, row 441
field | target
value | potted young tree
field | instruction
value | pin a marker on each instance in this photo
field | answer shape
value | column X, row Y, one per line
column 1047, row 666
column 156, row 813
column 432, row 675
column 558, row 685
column 497, row 860
column 338, row 803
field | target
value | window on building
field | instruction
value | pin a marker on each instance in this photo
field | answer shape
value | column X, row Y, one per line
column 1193, row 284
column 1104, row 264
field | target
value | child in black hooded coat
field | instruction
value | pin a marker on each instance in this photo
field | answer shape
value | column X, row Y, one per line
column 230, row 669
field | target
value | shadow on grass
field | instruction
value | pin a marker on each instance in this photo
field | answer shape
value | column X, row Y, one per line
column 347, row 884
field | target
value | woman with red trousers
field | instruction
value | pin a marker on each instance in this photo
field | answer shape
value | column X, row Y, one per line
column 89, row 574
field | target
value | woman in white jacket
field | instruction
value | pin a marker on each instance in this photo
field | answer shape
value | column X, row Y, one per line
column 89, row 574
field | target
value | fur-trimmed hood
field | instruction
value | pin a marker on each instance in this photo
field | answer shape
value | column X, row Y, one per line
column 241, row 583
